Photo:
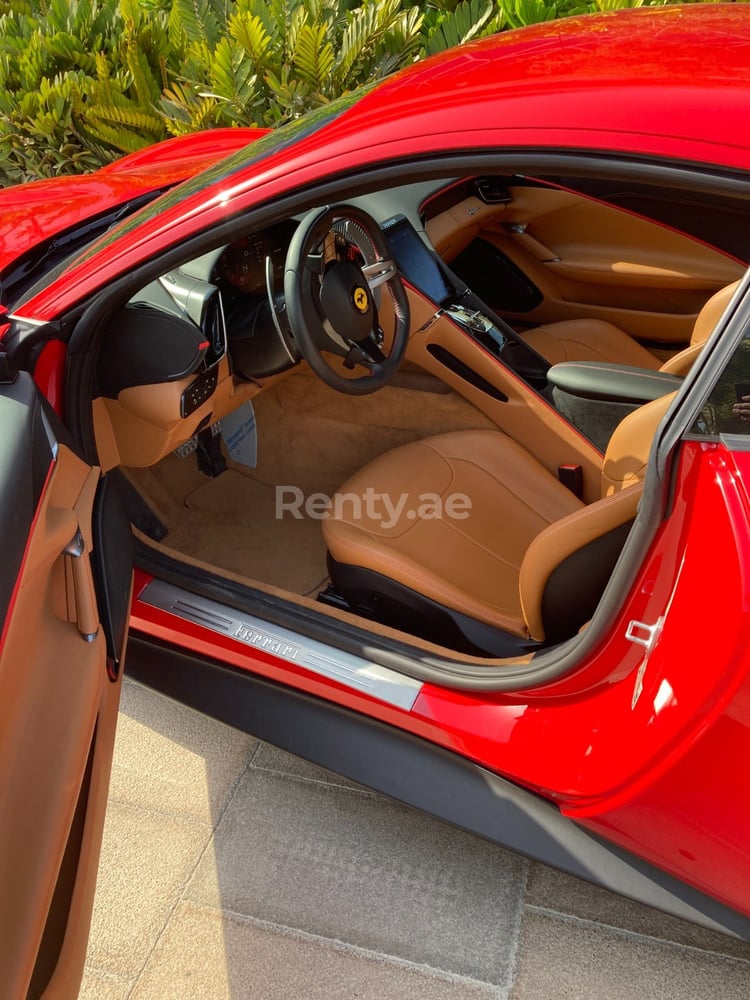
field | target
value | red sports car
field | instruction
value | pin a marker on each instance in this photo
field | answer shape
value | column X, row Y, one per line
column 412, row 438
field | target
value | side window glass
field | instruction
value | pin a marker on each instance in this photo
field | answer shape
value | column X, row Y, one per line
column 727, row 410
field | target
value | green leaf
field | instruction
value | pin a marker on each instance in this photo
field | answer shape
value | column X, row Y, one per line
column 313, row 57
column 121, row 139
column 249, row 31
column 140, row 121
column 233, row 75
column 521, row 13
column 459, row 26
column 199, row 20
column 146, row 83
column 366, row 26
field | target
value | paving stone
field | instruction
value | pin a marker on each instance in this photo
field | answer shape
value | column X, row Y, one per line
column 552, row 890
column 101, row 986
column 204, row 953
column 569, row 959
column 362, row 869
column 269, row 758
column 146, row 861
column 171, row 759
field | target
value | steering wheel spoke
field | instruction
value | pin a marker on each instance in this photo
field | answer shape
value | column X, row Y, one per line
column 314, row 263
column 371, row 349
column 330, row 302
column 379, row 273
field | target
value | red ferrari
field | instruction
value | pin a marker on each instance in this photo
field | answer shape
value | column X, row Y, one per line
column 412, row 438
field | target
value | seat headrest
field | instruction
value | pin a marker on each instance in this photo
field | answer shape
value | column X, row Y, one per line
column 628, row 449
column 711, row 312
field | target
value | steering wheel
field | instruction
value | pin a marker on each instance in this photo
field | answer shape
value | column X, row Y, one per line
column 336, row 261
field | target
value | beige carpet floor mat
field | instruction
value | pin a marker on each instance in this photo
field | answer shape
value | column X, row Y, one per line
column 313, row 437
column 231, row 523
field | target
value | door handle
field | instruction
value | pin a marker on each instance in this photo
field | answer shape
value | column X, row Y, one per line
column 87, row 613
column 542, row 253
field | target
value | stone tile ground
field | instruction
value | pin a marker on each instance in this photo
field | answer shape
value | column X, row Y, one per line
column 232, row 871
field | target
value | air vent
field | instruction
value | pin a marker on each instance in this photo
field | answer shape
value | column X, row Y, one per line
column 492, row 191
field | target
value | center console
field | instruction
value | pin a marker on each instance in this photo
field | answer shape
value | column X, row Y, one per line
column 423, row 269
column 594, row 397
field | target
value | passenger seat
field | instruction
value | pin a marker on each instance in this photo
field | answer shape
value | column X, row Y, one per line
column 596, row 340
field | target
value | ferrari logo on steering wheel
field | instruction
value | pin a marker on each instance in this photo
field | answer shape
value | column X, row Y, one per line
column 360, row 298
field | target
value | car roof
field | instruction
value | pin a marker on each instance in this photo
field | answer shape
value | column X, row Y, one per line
column 663, row 83
column 673, row 71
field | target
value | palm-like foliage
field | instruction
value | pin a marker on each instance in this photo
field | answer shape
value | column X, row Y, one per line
column 78, row 79
column 83, row 81
column 271, row 61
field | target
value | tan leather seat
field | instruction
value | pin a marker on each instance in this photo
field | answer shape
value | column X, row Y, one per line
column 595, row 340
column 527, row 546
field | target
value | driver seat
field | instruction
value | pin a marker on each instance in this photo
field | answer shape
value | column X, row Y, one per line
column 520, row 563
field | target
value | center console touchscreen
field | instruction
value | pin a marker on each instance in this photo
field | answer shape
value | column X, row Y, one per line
column 415, row 261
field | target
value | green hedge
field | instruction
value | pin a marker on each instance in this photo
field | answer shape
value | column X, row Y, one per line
column 84, row 81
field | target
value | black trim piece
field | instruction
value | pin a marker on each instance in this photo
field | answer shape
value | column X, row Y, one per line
column 145, row 345
column 139, row 513
column 496, row 278
column 575, row 586
column 464, row 371
column 112, row 565
column 510, row 348
column 389, row 602
column 596, row 419
column 613, row 383
column 26, row 453
column 421, row 774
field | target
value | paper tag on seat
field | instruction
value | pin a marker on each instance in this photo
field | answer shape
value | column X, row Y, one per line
column 240, row 435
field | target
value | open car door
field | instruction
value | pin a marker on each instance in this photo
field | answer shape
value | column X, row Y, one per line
column 64, row 598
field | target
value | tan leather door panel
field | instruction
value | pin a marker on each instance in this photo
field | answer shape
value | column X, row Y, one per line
column 593, row 260
column 58, row 712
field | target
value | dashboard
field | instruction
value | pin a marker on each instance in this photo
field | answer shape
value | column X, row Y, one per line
column 230, row 302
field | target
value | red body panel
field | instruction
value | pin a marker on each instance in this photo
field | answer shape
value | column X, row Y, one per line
column 31, row 213
column 608, row 758
column 186, row 154
column 598, row 84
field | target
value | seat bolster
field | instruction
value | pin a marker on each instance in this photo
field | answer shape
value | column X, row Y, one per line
column 549, row 550
column 588, row 340
column 708, row 317
column 351, row 545
column 681, row 363
column 630, row 445
column 711, row 313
